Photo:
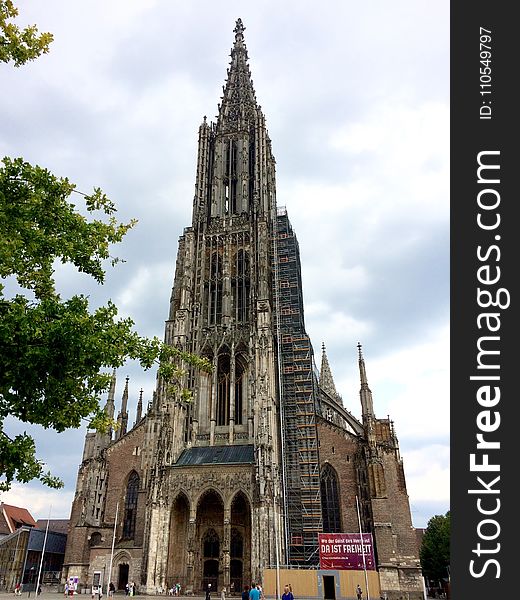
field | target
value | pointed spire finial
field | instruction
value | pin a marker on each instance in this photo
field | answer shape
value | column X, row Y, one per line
column 326, row 380
column 238, row 101
column 139, row 410
column 239, row 29
column 367, row 406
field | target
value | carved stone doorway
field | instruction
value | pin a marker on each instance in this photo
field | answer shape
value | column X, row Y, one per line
column 209, row 542
column 177, row 550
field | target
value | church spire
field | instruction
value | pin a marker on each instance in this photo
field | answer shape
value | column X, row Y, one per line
column 326, row 380
column 110, row 405
column 122, row 417
column 367, row 407
column 239, row 100
column 139, row 411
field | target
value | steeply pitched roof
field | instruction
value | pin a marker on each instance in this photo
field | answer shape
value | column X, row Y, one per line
column 16, row 517
column 216, row 455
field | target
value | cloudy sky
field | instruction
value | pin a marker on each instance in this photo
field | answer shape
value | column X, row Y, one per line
column 356, row 97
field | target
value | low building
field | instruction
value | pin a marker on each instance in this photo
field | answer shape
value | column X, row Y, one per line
column 21, row 551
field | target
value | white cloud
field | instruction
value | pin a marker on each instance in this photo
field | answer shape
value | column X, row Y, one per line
column 360, row 132
column 39, row 500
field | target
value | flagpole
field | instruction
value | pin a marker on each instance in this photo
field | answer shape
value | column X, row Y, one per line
column 112, row 553
column 43, row 551
column 362, row 548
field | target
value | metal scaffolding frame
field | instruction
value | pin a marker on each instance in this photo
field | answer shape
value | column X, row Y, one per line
column 298, row 405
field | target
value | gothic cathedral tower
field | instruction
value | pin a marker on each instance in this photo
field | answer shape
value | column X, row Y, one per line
column 216, row 499
column 265, row 457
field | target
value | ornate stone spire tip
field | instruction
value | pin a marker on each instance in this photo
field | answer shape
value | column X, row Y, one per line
column 239, row 28
column 359, row 347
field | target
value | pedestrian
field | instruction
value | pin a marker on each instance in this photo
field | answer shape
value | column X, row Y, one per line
column 359, row 592
column 287, row 593
column 111, row 589
column 245, row 593
column 261, row 591
column 178, row 588
column 208, row 592
column 127, row 589
column 223, row 594
column 254, row 593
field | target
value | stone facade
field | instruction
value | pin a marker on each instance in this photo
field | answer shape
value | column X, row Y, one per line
column 195, row 492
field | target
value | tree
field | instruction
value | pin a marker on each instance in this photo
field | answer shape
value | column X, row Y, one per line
column 435, row 548
column 18, row 45
column 54, row 353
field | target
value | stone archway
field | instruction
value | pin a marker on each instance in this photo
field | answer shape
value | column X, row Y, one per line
column 121, row 569
column 209, row 542
column 177, row 546
column 240, row 542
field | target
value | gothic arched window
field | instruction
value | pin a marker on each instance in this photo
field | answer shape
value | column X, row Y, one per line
column 330, row 500
column 241, row 286
column 240, row 369
column 223, row 389
column 130, row 510
column 215, row 289
column 211, row 544
column 236, row 549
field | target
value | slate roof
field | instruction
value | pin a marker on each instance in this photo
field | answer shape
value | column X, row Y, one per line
column 216, row 455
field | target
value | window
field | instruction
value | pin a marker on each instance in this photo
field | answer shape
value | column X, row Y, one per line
column 236, row 549
column 223, row 389
column 215, row 289
column 241, row 286
column 330, row 500
column 211, row 544
column 130, row 511
column 239, row 388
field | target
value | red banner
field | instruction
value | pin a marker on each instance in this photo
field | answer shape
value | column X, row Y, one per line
column 346, row 551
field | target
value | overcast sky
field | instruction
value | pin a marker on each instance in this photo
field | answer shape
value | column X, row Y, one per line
column 356, row 97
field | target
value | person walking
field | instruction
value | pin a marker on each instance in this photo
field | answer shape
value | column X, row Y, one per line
column 359, row 592
column 254, row 593
column 287, row 593
column 208, row 592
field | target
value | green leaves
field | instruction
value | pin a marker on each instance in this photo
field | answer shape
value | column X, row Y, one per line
column 19, row 46
column 38, row 224
column 18, row 461
column 435, row 547
column 54, row 353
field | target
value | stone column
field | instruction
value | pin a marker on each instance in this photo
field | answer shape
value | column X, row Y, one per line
column 190, row 551
column 226, row 549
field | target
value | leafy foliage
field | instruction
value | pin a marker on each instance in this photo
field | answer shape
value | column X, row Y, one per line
column 19, row 46
column 53, row 351
column 435, row 548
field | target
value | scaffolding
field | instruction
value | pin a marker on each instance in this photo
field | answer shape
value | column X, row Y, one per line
column 298, row 393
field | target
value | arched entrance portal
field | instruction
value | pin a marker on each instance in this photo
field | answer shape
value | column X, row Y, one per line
column 210, row 534
column 177, row 563
column 240, row 543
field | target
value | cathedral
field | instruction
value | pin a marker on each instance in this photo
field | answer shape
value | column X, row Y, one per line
column 265, row 457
